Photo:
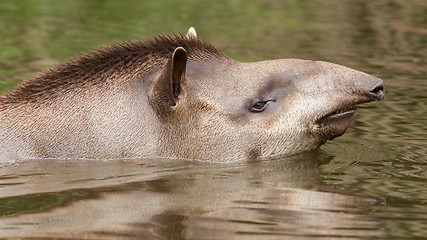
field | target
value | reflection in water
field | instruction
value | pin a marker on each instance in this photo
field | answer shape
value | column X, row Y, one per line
column 185, row 200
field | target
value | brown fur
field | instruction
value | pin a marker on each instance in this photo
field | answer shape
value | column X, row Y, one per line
column 110, row 62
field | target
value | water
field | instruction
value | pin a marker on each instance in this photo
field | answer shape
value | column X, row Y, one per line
column 368, row 184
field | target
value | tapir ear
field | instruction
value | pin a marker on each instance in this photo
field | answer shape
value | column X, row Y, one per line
column 165, row 91
column 191, row 33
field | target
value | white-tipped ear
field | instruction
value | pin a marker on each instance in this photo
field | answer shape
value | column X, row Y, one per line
column 191, row 33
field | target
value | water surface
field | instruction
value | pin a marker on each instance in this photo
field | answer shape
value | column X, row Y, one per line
column 368, row 184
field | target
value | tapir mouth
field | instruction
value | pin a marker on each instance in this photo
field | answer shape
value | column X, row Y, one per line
column 335, row 122
column 337, row 116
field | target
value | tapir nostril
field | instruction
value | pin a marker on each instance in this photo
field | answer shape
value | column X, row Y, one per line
column 377, row 91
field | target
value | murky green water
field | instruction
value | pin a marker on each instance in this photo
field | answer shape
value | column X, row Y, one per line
column 368, row 184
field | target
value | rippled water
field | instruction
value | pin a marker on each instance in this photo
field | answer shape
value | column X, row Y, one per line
column 368, row 184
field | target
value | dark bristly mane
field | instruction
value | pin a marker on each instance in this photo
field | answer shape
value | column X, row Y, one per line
column 132, row 58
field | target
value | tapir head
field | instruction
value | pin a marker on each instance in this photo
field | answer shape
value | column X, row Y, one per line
column 220, row 109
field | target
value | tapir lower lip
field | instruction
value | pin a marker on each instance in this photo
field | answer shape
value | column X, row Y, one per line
column 335, row 123
column 336, row 117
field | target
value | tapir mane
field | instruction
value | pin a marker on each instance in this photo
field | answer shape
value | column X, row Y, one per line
column 131, row 59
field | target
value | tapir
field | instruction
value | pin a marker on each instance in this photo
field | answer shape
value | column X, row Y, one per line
column 179, row 97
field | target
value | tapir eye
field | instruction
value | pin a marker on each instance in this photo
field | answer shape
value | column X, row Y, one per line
column 259, row 106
